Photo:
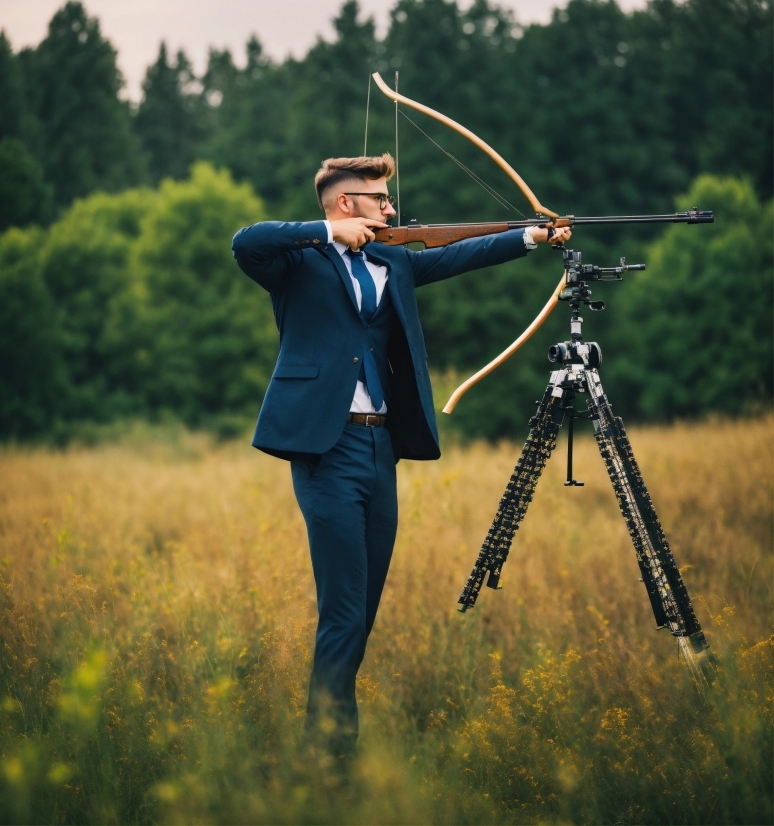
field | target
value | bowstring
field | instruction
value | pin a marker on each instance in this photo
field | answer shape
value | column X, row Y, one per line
column 368, row 108
column 482, row 183
column 397, row 156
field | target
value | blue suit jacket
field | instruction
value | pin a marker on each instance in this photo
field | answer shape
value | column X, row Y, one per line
column 322, row 334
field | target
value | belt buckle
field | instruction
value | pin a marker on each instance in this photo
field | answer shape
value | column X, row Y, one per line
column 372, row 416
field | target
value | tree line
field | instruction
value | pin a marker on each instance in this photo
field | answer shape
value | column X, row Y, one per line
column 134, row 300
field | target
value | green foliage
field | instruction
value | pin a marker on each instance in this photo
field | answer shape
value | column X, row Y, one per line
column 601, row 111
column 131, row 305
column 198, row 337
column 695, row 329
column 85, row 264
column 167, row 118
column 32, row 364
column 24, row 194
column 690, row 335
column 72, row 84
column 12, row 106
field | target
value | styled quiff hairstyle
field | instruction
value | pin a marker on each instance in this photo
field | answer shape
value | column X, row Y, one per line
column 337, row 170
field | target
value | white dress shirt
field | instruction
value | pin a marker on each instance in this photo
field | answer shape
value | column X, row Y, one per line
column 361, row 402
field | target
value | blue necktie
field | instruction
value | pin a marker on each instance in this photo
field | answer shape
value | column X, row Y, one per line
column 369, row 375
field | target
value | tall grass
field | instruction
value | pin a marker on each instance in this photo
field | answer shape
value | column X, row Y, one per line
column 157, row 617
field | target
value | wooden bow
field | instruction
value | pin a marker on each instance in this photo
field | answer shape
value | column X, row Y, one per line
column 534, row 202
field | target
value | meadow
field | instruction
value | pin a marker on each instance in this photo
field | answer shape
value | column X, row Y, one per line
column 157, row 615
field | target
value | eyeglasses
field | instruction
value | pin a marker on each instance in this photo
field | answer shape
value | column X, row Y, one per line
column 378, row 196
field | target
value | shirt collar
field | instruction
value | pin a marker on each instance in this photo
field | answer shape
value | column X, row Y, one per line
column 342, row 248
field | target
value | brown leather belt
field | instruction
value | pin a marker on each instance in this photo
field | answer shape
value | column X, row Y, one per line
column 368, row 419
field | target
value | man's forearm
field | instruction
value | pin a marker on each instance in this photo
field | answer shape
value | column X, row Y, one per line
column 473, row 254
column 265, row 251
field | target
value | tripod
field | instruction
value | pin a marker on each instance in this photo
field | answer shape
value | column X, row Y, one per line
column 577, row 373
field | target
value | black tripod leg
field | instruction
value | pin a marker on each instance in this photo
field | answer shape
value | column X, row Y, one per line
column 668, row 595
column 518, row 493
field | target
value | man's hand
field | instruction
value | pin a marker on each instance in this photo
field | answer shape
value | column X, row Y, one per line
column 540, row 235
column 355, row 232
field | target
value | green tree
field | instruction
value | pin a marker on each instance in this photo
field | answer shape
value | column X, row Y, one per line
column 72, row 83
column 24, row 194
column 86, row 265
column 279, row 122
column 12, row 105
column 717, row 72
column 693, row 332
column 600, row 110
column 168, row 118
column 33, row 372
column 199, row 337
column 131, row 305
column 220, row 82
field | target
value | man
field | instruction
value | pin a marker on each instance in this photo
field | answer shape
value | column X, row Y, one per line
column 350, row 395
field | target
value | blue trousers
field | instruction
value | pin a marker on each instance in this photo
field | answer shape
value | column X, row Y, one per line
column 349, row 501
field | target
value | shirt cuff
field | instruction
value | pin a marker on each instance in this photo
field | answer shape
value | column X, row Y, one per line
column 330, row 231
column 529, row 242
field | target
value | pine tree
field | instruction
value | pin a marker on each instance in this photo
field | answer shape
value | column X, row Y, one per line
column 72, row 83
column 25, row 197
column 167, row 120
column 24, row 194
column 12, row 105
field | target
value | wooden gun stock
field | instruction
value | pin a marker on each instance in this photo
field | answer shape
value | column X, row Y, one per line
column 435, row 236
column 439, row 235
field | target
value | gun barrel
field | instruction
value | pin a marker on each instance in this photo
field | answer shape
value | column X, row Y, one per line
column 693, row 216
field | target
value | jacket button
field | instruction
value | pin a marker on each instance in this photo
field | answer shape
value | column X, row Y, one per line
column 355, row 360
column 315, row 240
column 372, row 349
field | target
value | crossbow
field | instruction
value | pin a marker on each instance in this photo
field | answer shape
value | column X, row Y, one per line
column 434, row 235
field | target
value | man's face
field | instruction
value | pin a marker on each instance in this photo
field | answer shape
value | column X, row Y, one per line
column 364, row 204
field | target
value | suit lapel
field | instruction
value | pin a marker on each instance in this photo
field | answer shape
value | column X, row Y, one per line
column 372, row 253
column 335, row 258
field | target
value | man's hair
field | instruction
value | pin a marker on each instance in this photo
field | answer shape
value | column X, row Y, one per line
column 337, row 170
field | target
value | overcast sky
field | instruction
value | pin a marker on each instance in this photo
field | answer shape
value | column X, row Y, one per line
column 136, row 27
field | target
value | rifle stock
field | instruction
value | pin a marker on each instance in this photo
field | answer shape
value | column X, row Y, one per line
column 439, row 235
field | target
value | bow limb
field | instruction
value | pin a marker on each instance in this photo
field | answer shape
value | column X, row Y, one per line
column 483, row 145
column 506, row 354
column 528, row 194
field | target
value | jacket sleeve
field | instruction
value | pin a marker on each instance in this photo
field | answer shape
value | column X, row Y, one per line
column 270, row 252
column 471, row 254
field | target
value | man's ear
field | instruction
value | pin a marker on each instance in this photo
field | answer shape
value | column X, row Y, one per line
column 343, row 204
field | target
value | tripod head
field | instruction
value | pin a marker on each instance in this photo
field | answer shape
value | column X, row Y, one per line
column 577, row 292
column 577, row 274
